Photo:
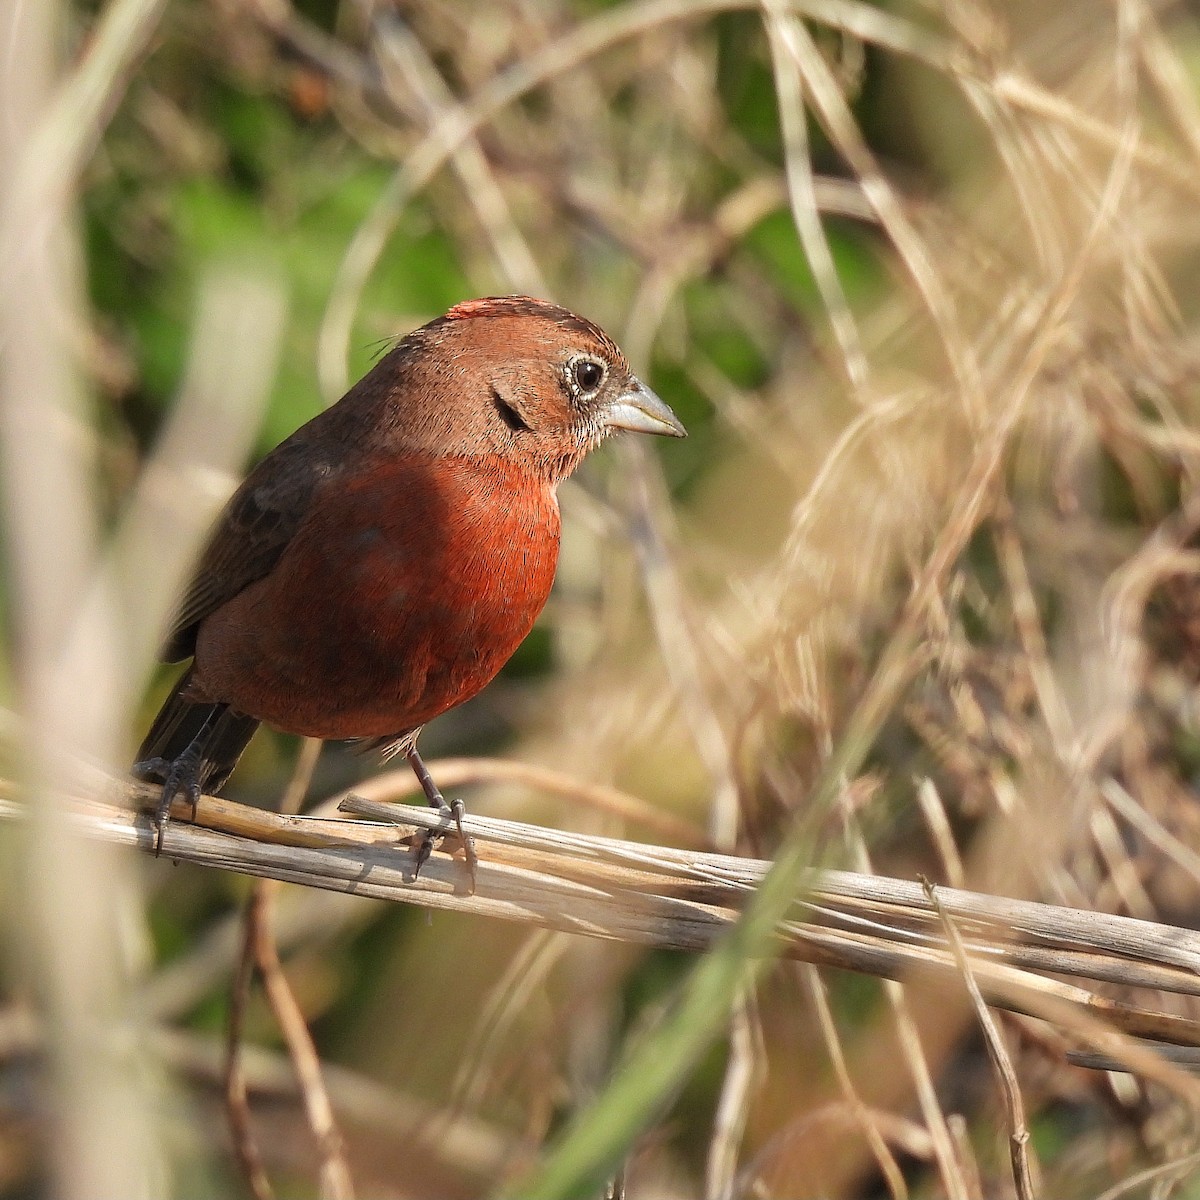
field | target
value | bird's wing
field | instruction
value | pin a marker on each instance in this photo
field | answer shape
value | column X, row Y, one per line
column 252, row 532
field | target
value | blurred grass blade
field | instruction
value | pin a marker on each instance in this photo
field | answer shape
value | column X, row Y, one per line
column 197, row 464
column 657, row 1063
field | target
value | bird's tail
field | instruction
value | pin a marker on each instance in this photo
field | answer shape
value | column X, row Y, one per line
column 214, row 733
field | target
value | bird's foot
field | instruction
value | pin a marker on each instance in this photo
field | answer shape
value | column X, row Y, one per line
column 427, row 839
column 180, row 775
column 423, row 847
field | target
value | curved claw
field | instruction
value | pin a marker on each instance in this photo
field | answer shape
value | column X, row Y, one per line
column 181, row 775
column 428, row 838
column 422, row 849
column 449, row 812
column 458, row 810
column 186, row 773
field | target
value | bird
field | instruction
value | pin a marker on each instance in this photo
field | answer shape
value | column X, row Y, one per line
column 382, row 563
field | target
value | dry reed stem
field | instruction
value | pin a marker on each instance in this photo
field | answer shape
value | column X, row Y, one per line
column 467, row 1144
column 1100, row 946
column 331, row 1150
column 964, row 1154
column 947, row 1153
column 528, row 972
column 907, row 1136
column 464, row 1144
column 679, row 649
column 1168, row 1173
column 403, row 54
column 940, row 834
column 650, row 527
column 237, row 1104
column 1010, row 1088
column 685, row 900
column 260, row 949
column 793, row 116
column 863, row 1116
column 916, row 1057
column 743, row 1073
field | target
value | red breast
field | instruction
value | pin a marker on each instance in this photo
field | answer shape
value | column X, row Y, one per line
column 404, row 592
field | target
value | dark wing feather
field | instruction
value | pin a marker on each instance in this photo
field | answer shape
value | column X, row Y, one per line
column 252, row 532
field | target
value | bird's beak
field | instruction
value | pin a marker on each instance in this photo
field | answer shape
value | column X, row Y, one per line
column 640, row 410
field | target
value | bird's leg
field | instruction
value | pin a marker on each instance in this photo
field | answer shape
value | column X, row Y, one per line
column 181, row 774
column 455, row 811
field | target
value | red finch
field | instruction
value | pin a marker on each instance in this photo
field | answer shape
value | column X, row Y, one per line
column 382, row 564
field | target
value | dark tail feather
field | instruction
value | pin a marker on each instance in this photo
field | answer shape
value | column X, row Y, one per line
column 223, row 737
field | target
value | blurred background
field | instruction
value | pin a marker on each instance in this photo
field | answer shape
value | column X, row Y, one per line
column 919, row 277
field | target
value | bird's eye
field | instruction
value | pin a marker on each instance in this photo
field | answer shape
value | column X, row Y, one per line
column 588, row 374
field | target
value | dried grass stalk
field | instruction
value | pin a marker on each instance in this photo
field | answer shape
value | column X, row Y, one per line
column 686, row 899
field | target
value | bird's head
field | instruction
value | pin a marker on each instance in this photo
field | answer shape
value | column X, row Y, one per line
column 523, row 379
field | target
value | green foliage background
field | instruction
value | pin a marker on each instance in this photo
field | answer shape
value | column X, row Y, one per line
column 723, row 603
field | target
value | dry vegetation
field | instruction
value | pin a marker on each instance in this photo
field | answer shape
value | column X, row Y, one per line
column 919, row 599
